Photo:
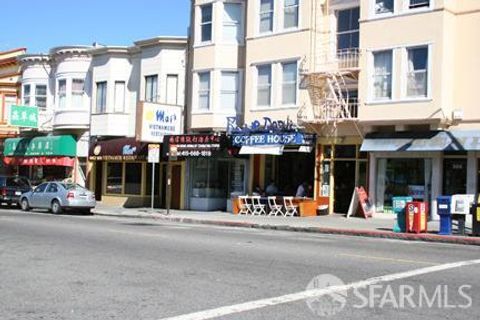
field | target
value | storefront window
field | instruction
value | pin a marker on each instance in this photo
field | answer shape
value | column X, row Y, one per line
column 454, row 176
column 345, row 151
column 402, row 177
column 114, row 178
column 133, row 178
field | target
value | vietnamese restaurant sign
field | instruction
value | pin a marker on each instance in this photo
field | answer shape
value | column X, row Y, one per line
column 157, row 121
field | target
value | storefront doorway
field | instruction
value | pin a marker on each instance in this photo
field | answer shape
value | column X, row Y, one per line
column 344, row 177
column 176, row 192
column 454, row 176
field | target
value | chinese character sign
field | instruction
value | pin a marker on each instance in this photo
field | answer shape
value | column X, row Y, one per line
column 23, row 116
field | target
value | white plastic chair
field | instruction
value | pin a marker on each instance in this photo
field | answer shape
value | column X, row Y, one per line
column 245, row 206
column 290, row 208
column 258, row 208
column 275, row 208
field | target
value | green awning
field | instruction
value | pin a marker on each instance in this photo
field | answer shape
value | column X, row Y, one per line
column 65, row 145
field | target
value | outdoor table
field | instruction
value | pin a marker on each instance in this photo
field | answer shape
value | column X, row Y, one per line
column 307, row 207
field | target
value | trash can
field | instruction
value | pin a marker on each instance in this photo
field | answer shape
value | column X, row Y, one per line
column 444, row 211
column 475, row 211
column 399, row 204
column 416, row 217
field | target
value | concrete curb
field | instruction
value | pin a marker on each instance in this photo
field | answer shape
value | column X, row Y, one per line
column 475, row 241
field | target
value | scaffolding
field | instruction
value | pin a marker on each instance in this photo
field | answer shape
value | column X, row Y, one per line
column 328, row 74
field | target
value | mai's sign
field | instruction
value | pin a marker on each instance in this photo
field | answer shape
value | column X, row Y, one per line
column 264, row 125
column 157, row 120
column 23, row 116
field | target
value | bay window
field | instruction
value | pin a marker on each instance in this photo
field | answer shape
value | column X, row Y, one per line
column 289, row 83
column 41, row 96
column 290, row 13
column 119, row 104
column 204, row 91
column 382, row 77
column 151, row 84
column 266, row 16
column 384, row 6
column 206, row 23
column 229, row 93
column 77, row 93
column 232, row 23
column 417, row 74
column 264, row 85
column 62, row 93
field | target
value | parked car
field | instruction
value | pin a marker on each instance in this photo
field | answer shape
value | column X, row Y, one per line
column 12, row 187
column 58, row 196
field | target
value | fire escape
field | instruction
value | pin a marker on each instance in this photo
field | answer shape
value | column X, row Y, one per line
column 329, row 74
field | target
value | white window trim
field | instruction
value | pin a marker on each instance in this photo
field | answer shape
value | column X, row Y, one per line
column 156, row 98
column 57, row 104
column 282, row 17
column 257, row 19
column 242, row 24
column 371, row 71
column 196, row 105
column 278, row 20
column 198, row 24
column 35, row 95
column 406, row 9
column 297, row 90
column 94, row 101
column 272, row 86
column 374, row 15
column 30, row 85
column 400, row 8
column 403, row 77
column 115, row 96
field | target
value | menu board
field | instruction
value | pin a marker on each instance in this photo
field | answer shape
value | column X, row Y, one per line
column 360, row 197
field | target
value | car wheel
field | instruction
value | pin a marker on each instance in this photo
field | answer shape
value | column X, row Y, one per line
column 24, row 205
column 87, row 211
column 56, row 207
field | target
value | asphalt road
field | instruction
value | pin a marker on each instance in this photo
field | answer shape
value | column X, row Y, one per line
column 76, row 267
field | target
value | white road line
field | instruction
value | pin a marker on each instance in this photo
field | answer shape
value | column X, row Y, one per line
column 303, row 295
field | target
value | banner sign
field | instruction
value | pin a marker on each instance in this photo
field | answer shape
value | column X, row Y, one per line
column 284, row 139
column 64, row 145
column 158, row 120
column 23, row 116
column 198, row 145
column 264, row 125
column 120, row 149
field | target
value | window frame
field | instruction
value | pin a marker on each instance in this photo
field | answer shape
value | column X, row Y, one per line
column 418, row 7
column 103, row 107
column 143, row 179
column 270, row 85
column 29, row 96
column 405, row 72
column 61, row 94
column 284, row 7
column 115, row 105
column 205, row 23
column 153, row 88
column 236, row 92
column 240, row 24
column 348, row 32
column 374, row 13
column 41, row 96
column 372, row 75
column 283, row 83
column 259, row 18
column 78, row 92
column 204, row 92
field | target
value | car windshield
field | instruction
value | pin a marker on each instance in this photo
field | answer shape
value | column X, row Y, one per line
column 72, row 186
column 17, row 182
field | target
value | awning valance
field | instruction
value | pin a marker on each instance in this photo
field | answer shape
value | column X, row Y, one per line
column 64, row 145
column 271, row 150
column 118, row 150
column 466, row 140
column 39, row 161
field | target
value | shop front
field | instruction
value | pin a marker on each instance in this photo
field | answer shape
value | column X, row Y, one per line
column 213, row 174
column 422, row 165
column 120, row 174
column 42, row 158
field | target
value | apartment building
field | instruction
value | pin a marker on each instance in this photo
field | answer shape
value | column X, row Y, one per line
column 137, row 99
column 10, row 88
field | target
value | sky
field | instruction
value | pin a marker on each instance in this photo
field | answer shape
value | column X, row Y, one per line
column 40, row 25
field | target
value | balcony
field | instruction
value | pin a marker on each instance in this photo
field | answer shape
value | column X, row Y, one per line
column 111, row 124
column 71, row 119
column 330, row 111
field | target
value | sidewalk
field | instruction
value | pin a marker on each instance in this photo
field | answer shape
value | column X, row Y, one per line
column 380, row 226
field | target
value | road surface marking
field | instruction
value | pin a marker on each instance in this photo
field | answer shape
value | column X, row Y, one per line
column 303, row 295
column 386, row 259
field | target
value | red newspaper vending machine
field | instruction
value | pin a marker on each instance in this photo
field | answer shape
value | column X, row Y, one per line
column 416, row 217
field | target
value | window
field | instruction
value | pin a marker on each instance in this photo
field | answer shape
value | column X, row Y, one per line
column 78, row 89
column 382, row 78
column 133, row 178
column 266, row 16
column 264, row 85
column 101, row 97
column 384, row 6
column 290, row 14
column 26, row 94
column 289, row 83
column 52, row 188
column 41, row 96
column 204, row 91
column 172, row 89
column 151, row 88
column 206, row 23
column 417, row 75
column 413, row 4
column 348, row 29
column 62, row 93
column 119, row 104
column 232, row 22
column 229, row 94
column 41, row 188
column 114, row 177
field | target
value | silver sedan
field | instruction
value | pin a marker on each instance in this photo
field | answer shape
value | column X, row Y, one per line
column 58, row 196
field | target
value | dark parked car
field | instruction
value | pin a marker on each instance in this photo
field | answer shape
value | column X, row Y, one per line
column 12, row 187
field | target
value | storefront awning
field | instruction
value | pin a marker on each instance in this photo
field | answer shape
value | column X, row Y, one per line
column 272, row 150
column 63, row 146
column 467, row 140
column 121, row 149
column 39, row 161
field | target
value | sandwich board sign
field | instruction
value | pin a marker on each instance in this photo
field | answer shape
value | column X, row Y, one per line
column 360, row 199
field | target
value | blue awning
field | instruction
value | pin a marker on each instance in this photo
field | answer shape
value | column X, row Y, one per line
column 458, row 140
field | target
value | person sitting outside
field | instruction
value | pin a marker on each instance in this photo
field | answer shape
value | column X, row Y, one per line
column 272, row 189
column 302, row 190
